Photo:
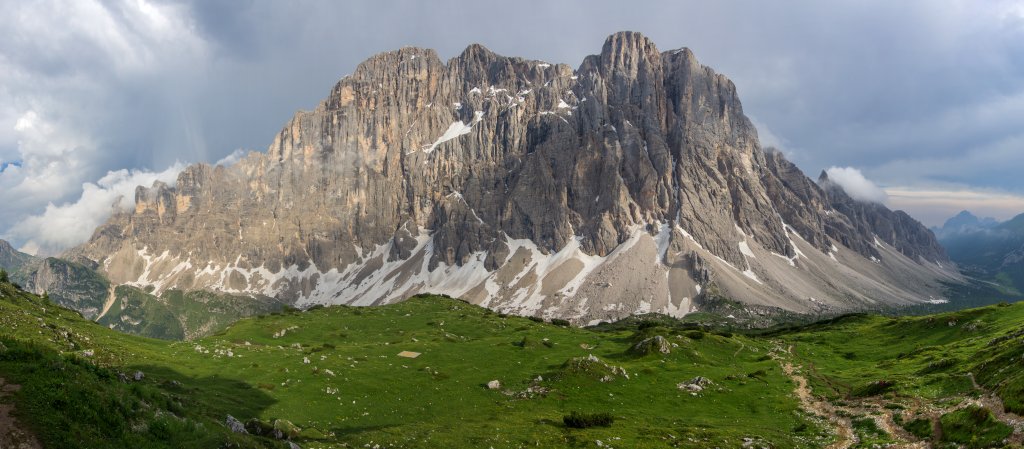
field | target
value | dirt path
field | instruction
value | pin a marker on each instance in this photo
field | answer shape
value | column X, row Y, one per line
column 12, row 435
column 875, row 409
column 994, row 403
column 810, row 403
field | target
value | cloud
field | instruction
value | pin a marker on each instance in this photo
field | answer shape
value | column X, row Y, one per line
column 92, row 90
column 934, row 94
column 232, row 158
column 856, row 185
column 932, row 206
column 62, row 226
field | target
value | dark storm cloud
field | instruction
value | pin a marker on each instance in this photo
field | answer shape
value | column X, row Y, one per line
column 914, row 94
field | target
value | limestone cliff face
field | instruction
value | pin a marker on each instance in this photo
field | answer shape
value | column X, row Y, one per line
column 626, row 185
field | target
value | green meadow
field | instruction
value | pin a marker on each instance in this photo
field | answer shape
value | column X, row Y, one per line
column 333, row 377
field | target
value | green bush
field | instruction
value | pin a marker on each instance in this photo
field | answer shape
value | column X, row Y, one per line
column 647, row 324
column 938, row 365
column 577, row 420
column 974, row 427
column 535, row 319
column 560, row 322
column 872, row 389
column 921, row 427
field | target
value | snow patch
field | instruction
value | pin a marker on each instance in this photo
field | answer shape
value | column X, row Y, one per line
column 750, row 274
column 745, row 249
column 663, row 239
column 456, row 129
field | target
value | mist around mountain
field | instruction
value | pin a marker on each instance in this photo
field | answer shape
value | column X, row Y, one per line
column 986, row 248
column 964, row 223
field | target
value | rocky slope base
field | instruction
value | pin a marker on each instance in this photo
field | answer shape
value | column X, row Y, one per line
column 633, row 183
column 169, row 314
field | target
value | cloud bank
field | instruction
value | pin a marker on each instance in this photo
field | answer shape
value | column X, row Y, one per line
column 933, row 206
column 856, row 185
column 62, row 226
column 920, row 92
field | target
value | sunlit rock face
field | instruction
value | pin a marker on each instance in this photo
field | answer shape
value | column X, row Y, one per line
column 633, row 183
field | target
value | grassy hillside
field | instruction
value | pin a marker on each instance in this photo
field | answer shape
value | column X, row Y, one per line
column 79, row 387
column 951, row 377
column 337, row 375
column 177, row 315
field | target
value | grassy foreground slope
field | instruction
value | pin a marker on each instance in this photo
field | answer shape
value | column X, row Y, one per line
column 953, row 378
column 355, row 389
column 75, row 384
column 334, row 377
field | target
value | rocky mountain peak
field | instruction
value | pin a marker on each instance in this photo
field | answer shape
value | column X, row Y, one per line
column 632, row 183
column 629, row 53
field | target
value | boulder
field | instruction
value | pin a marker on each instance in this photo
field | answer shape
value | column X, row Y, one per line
column 235, row 425
column 285, row 429
column 654, row 345
column 695, row 385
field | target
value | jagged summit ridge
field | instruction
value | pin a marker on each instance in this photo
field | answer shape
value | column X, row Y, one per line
column 632, row 183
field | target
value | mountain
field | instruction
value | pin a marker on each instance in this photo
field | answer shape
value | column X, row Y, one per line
column 964, row 222
column 433, row 372
column 12, row 260
column 172, row 314
column 633, row 183
column 993, row 251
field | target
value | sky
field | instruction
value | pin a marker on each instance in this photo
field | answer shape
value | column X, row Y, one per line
column 919, row 104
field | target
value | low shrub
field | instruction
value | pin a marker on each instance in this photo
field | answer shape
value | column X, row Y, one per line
column 921, row 427
column 577, row 420
column 872, row 389
column 974, row 427
column 938, row 365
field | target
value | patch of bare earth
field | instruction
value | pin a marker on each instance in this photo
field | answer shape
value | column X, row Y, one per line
column 811, row 404
column 12, row 435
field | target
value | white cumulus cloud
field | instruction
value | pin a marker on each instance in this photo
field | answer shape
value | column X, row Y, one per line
column 62, row 226
column 856, row 185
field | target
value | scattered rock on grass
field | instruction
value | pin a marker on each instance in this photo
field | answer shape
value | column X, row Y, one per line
column 286, row 429
column 235, row 425
column 493, row 385
column 655, row 344
column 695, row 385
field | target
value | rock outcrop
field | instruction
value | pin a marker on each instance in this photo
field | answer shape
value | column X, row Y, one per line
column 627, row 185
column 12, row 260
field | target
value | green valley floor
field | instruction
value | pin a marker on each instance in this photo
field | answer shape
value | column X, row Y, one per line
column 434, row 372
